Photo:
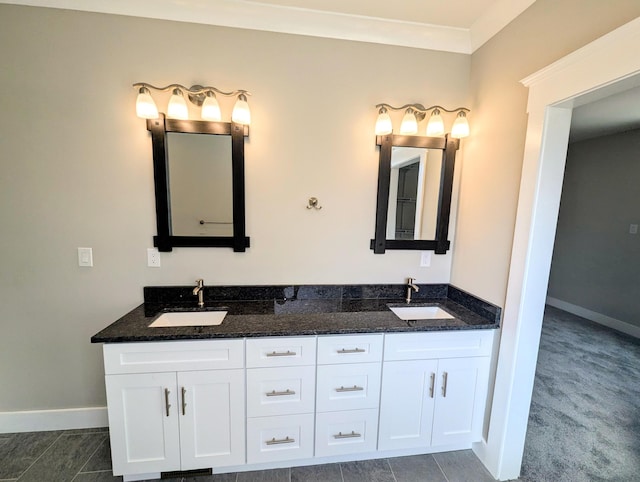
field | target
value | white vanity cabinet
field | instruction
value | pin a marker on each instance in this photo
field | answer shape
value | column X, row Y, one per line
column 175, row 405
column 281, row 383
column 434, row 389
column 348, row 394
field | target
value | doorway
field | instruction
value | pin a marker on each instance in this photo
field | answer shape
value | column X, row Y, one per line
column 553, row 93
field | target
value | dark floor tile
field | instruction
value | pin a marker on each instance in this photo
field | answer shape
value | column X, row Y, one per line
column 317, row 473
column 105, row 476
column 100, row 460
column 462, row 466
column 64, row 459
column 205, row 478
column 22, row 451
column 277, row 475
column 367, row 471
column 417, row 468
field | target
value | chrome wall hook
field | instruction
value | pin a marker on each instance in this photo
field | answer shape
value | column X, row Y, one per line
column 313, row 203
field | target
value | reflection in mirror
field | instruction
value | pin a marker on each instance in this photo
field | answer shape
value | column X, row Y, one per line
column 200, row 184
column 414, row 189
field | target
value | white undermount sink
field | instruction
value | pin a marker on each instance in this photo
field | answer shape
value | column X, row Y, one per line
column 420, row 313
column 189, row 318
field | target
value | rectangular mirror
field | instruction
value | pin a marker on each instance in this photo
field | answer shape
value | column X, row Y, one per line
column 199, row 183
column 415, row 182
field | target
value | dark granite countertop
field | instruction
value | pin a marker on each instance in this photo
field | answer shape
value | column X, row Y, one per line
column 310, row 311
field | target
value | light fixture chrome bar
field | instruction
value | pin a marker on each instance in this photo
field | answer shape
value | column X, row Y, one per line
column 194, row 90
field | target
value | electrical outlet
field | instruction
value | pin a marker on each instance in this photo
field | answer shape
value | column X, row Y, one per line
column 153, row 257
column 85, row 257
column 425, row 259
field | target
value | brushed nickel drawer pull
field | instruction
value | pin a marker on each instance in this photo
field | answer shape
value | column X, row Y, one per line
column 281, row 353
column 444, row 384
column 342, row 351
column 432, row 385
column 166, row 400
column 286, row 440
column 184, row 401
column 354, row 388
column 273, row 393
column 348, row 435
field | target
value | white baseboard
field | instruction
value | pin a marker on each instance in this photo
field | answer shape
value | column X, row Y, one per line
column 44, row 420
column 605, row 320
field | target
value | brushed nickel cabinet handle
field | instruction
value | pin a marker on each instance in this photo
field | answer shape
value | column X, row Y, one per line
column 184, row 401
column 444, row 384
column 282, row 353
column 273, row 393
column 342, row 351
column 348, row 435
column 354, row 388
column 286, row 440
column 166, row 400
column 432, row 385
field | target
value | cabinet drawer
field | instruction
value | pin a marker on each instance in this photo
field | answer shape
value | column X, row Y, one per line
column 348, row 432
column 271, row 439
column 426, row 346
column 348, row 387
column 281, row 351
column 280, row 391
column 153, row 357
column 349, row 349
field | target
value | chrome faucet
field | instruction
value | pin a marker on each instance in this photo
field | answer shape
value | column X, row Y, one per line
column 411, row 286
column 199, row 291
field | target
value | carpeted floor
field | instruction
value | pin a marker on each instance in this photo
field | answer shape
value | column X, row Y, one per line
column 584, row 423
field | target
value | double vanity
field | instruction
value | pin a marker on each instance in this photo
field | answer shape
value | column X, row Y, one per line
column 273, row 376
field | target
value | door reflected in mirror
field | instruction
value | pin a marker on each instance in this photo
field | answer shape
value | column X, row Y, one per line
column 413, row 193
column 200, row 184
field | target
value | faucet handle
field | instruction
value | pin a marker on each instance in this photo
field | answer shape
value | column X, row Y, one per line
column 200, row 282
column 410, row 280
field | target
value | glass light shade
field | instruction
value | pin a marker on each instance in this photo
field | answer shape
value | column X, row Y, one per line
column 435, row 126
column 211, row 109
column 383, row 124
column 409, row 123
column 460, row 127
column 145, row 106
column 241, row 113
column 178, row 106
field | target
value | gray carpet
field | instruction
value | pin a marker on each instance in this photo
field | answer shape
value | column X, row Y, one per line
column 584, row 423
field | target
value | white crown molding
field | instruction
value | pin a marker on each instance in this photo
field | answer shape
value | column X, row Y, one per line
column 273, row 18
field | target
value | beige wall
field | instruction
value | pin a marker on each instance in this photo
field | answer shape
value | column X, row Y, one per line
column 76, row 171
column 545, row 32
column 595, row 259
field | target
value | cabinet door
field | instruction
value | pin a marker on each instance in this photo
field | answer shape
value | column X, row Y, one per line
column 406, row 404
column 461, row 391
column 143, row 422
column 212, row 420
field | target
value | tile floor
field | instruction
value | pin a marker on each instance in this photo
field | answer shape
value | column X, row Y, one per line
column 84, row 456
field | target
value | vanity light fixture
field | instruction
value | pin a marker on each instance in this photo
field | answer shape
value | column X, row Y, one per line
column 415, row 113
column 203, row 97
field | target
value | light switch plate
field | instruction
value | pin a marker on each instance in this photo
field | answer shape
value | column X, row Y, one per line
column 85, row 257
column 153, row 257
column 425, row 259
column 633, row 229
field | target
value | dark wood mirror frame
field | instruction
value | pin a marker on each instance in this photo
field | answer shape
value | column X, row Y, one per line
column 165, row 241
column 448, row 146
